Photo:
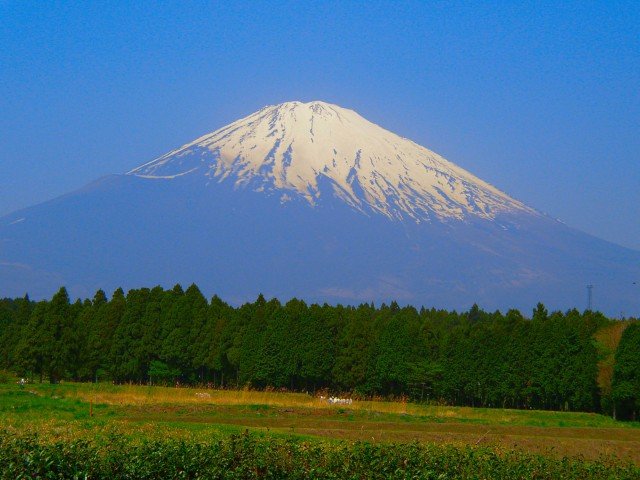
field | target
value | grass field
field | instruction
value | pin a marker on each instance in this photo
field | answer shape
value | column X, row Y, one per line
column 70, row 411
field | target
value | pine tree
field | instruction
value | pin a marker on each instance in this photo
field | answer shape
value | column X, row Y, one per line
column 626, row 374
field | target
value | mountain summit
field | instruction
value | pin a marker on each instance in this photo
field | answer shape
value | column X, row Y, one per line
column 313, row 201
column 316, row 150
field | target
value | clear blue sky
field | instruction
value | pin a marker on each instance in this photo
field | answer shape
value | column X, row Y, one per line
column 540, row 99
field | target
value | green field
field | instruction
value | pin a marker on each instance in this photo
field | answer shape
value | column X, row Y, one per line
column 102, row 416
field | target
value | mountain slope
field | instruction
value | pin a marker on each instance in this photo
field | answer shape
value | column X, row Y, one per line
column 253, row 208
column 294, row 148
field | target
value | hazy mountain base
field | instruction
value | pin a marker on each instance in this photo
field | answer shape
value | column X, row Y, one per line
column 127, row 231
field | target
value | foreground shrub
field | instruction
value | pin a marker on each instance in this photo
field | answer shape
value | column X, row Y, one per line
column 247, row 457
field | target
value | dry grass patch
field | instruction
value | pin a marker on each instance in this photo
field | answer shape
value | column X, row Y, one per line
column 62, row 411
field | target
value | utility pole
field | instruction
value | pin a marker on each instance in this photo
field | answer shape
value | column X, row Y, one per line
column 589, row 296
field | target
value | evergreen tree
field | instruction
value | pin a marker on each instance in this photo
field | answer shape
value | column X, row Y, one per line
column 471, row 358
column 626, row 375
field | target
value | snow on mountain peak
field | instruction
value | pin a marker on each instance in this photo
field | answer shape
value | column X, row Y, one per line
column 316, row 150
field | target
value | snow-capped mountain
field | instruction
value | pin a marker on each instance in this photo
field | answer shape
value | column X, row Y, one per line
column 313, row 201
column 315, row 150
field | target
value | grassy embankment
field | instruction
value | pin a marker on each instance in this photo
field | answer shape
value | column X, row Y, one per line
column 98, row 412
column 133, row 407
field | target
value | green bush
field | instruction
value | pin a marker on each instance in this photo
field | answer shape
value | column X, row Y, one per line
column 6, row 377
column 247, row 457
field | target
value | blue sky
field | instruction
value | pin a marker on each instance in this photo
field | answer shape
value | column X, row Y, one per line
column 540, row 99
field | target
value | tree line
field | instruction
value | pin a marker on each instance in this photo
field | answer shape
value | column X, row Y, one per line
column 475, row 358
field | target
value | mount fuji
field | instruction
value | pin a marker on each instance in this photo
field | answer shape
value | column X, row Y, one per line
column 311, row 200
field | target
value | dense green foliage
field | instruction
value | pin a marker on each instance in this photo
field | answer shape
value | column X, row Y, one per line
column 245, row 457
column 166, row 336
column 626, row 374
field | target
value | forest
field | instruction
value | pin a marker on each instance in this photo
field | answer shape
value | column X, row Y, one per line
column 550, row 360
